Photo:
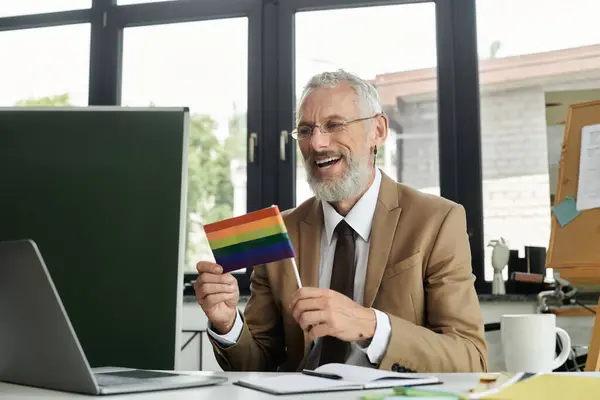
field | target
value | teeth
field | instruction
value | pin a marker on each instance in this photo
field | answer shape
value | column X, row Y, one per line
column 327, row 160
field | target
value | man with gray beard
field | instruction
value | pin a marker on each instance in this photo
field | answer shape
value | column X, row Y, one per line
column 386, row 269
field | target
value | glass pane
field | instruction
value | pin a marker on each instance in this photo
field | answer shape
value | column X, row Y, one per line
column 395, row 49
column 524, row 59
column 175, row 65
column 26, row 7
column 47, row 66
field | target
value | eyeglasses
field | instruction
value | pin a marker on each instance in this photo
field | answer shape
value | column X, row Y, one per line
column 326, row 127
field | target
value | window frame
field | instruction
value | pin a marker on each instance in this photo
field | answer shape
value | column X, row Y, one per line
column 458, row 108
column 271, row 37
column 180, row 11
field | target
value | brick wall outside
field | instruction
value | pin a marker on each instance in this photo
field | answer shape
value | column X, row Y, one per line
column 514, row 157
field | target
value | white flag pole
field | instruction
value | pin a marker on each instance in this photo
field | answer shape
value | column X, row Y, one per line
column 296, row 272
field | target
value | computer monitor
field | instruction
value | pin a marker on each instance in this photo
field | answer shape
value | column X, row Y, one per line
column 101, row 191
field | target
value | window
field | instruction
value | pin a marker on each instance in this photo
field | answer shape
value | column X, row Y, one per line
column 47, row 66
column 526, row 54
column 23, row 7
column 395, row 48
column 201, row 65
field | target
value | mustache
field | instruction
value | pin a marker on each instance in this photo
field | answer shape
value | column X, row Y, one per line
column 312, row 157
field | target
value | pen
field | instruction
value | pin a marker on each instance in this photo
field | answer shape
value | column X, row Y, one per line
column 321, row 374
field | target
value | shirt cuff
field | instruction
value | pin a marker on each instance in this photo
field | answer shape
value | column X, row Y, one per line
column 231, row 337
column 380, row 340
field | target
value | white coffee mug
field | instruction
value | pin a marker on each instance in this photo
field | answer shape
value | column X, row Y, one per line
column 529, row 343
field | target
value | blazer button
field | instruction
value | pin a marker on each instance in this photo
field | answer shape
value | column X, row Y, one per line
column 395, row 367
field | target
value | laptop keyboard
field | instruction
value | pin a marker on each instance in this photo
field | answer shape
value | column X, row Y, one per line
column 128, row 377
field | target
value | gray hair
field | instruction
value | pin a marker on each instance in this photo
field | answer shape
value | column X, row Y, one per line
column 368, row 98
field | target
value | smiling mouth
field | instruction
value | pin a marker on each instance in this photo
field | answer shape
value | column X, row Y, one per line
column 328, row 162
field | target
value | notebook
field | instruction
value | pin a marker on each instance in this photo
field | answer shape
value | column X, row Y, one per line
column 339, row 377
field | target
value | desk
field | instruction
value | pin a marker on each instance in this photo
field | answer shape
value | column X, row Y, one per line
column 227, row 391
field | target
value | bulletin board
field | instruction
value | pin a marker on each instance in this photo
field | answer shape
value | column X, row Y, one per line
column 574, row 249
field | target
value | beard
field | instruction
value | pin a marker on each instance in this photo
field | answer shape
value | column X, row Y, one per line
column 351, row 183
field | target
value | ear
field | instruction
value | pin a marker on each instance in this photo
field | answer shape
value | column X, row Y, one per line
column 379, row 131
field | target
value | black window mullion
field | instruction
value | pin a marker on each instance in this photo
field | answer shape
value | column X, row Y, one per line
column 314, row 5
column 459, row 122
column 45, row 20
column 183, row 11
column 106, row 55
column 255, row 170
column 286, row 52
column 447, row 140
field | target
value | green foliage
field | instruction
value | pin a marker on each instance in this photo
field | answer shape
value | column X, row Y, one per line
column 235, row 144
column 495, row 48
column 60, row 100
column 210, row 190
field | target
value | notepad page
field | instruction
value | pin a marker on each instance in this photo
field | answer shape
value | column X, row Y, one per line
column 298, row 383
column 365, row 375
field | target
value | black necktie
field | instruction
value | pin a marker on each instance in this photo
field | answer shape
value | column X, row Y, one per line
column 334, row 350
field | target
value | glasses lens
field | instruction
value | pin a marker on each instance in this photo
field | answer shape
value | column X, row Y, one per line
column 304, row 131
column 333, row 126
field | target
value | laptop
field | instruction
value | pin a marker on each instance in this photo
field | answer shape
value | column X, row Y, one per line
column 38, row 346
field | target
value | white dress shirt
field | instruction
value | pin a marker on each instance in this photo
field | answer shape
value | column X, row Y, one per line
column 360, row 218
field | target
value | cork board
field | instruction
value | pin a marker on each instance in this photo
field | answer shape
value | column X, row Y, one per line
column 574, row 249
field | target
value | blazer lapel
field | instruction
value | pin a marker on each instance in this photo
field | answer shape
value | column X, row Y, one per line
column 385, row 222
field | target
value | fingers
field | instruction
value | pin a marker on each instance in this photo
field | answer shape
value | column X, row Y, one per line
column 309, row 319
column 210, row 267
column 206, row 289
column 305, row 305
column 318, row 331
column 211, row 281
column 214, row 299
column 209, row 284
column 213, row 273
column 307, row 293
column 207, row 277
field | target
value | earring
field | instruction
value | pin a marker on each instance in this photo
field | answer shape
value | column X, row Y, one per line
column 374, row 156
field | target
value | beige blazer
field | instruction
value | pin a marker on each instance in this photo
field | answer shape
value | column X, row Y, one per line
column 418, row 272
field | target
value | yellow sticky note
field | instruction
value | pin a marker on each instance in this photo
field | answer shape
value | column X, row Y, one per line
column 551, row 387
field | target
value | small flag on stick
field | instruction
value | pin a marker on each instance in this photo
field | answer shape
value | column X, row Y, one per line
column 252, row 239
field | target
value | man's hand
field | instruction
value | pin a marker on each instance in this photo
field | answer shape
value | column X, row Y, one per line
column 325, row 312
column 218, row 295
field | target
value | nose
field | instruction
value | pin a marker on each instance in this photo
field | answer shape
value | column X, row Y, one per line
column 318, row 139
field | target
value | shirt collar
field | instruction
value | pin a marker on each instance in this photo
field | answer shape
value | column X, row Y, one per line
column 360, row 217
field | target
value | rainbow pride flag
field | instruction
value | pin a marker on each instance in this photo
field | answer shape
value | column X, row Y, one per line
column 252, row 239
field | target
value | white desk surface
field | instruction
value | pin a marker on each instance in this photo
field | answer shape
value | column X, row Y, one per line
column 460, row 383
